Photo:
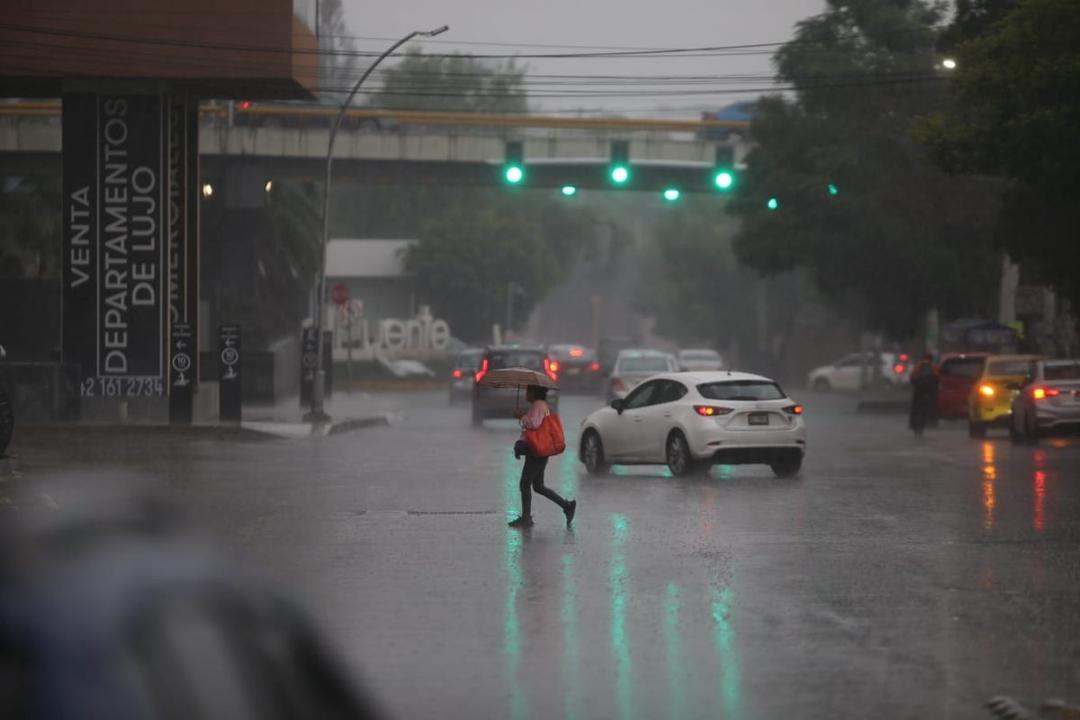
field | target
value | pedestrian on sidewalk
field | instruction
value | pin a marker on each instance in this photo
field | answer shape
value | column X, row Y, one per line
column 532, row 474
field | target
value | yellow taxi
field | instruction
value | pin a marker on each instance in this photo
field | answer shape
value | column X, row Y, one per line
column 993, row 393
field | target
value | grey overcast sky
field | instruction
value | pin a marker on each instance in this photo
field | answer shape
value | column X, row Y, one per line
column 603, row 24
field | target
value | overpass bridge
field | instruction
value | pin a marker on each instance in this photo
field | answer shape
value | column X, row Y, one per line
column 242, row 148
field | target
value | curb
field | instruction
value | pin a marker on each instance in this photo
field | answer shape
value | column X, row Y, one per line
column 352, row 424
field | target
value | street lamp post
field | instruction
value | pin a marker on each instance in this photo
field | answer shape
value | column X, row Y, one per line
column 318, row 413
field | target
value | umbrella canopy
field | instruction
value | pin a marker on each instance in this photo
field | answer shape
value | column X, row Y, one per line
column 517, row 377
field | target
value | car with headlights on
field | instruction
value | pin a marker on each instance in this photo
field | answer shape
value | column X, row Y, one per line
column 690, row 421
column 990, row 403
column 633, row 366
column 1048, row 403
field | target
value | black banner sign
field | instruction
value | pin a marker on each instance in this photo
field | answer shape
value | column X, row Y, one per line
column 182, row 351
column 230, row 387
column 309, row 360
column 115, row 249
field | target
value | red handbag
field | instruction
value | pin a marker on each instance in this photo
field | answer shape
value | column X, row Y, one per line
column 548, row 439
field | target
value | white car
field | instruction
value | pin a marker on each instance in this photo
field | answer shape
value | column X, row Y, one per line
column 846, row 373
column 690, row 421
column 699, row 360
column 634, row 366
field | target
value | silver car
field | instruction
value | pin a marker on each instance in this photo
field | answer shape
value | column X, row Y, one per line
column 700, row 360
column 635, row 366
column 1049, row 401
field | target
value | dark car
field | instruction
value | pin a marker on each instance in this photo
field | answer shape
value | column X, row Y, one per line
column 463, row 373
column 957, row 374
column 577, row 367
column 499, row 403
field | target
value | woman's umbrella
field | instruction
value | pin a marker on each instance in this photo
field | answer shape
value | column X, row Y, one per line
column 517, row 377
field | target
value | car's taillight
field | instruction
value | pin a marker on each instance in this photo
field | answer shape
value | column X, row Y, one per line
column 794, row 409
column 576, row 352
column 458, row 374
column 551, row 367
column 1041, row 393
column 904, row 357
column 899, row 369
column 482, row 371
column 987, row 390
column 595, row 367
column 711, row 410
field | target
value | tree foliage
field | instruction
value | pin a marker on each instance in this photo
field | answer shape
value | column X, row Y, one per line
column 899, row 234
column 1016, row 114
column 477, row 246
column 455, row 83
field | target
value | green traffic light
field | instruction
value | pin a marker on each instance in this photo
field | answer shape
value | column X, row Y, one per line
column 773, row 204
column 833, row 190
column 724, row 179
column 672, row 194
column 568, row 190
column 514, row 174
column 620, row 174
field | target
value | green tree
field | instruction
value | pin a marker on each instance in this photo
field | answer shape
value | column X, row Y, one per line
column 455, row 83
column 898, row 234
column 338, row 66
column 1016, row 115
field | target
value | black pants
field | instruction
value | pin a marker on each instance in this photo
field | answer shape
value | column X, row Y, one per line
column 532, row 476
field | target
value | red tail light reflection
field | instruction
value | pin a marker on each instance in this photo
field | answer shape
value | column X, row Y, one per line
column 482, row 371
column 458, row 374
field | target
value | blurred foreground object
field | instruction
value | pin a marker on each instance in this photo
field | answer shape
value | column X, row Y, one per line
column 129, row 616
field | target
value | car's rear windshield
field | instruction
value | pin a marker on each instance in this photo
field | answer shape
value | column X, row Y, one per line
column 643, row 364
column 1063, row 372
column 963, row 367
column 516, row 358
column 469, row 360
column 1009, row 367
column 741, row 390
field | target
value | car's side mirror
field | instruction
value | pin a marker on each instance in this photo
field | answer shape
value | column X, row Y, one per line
column 619, row 404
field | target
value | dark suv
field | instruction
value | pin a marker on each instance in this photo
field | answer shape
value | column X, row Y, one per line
column 496, row 403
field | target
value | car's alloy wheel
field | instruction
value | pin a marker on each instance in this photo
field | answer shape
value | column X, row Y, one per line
column 679, row 460
column 592, row 453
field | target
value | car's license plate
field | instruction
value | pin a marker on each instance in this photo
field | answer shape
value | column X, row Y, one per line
column 759, row 418
column 573, row 371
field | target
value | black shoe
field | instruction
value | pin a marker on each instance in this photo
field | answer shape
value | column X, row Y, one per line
column 523, row 521
column 569, row 510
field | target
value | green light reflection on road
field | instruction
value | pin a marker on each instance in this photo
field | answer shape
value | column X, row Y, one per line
column 726, row 653
column 514, row 582
column 620, row 642
column 672, row 639
column 571, row 653
column 568, row 474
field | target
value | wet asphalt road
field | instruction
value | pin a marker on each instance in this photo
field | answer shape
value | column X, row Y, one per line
column 893, row 578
